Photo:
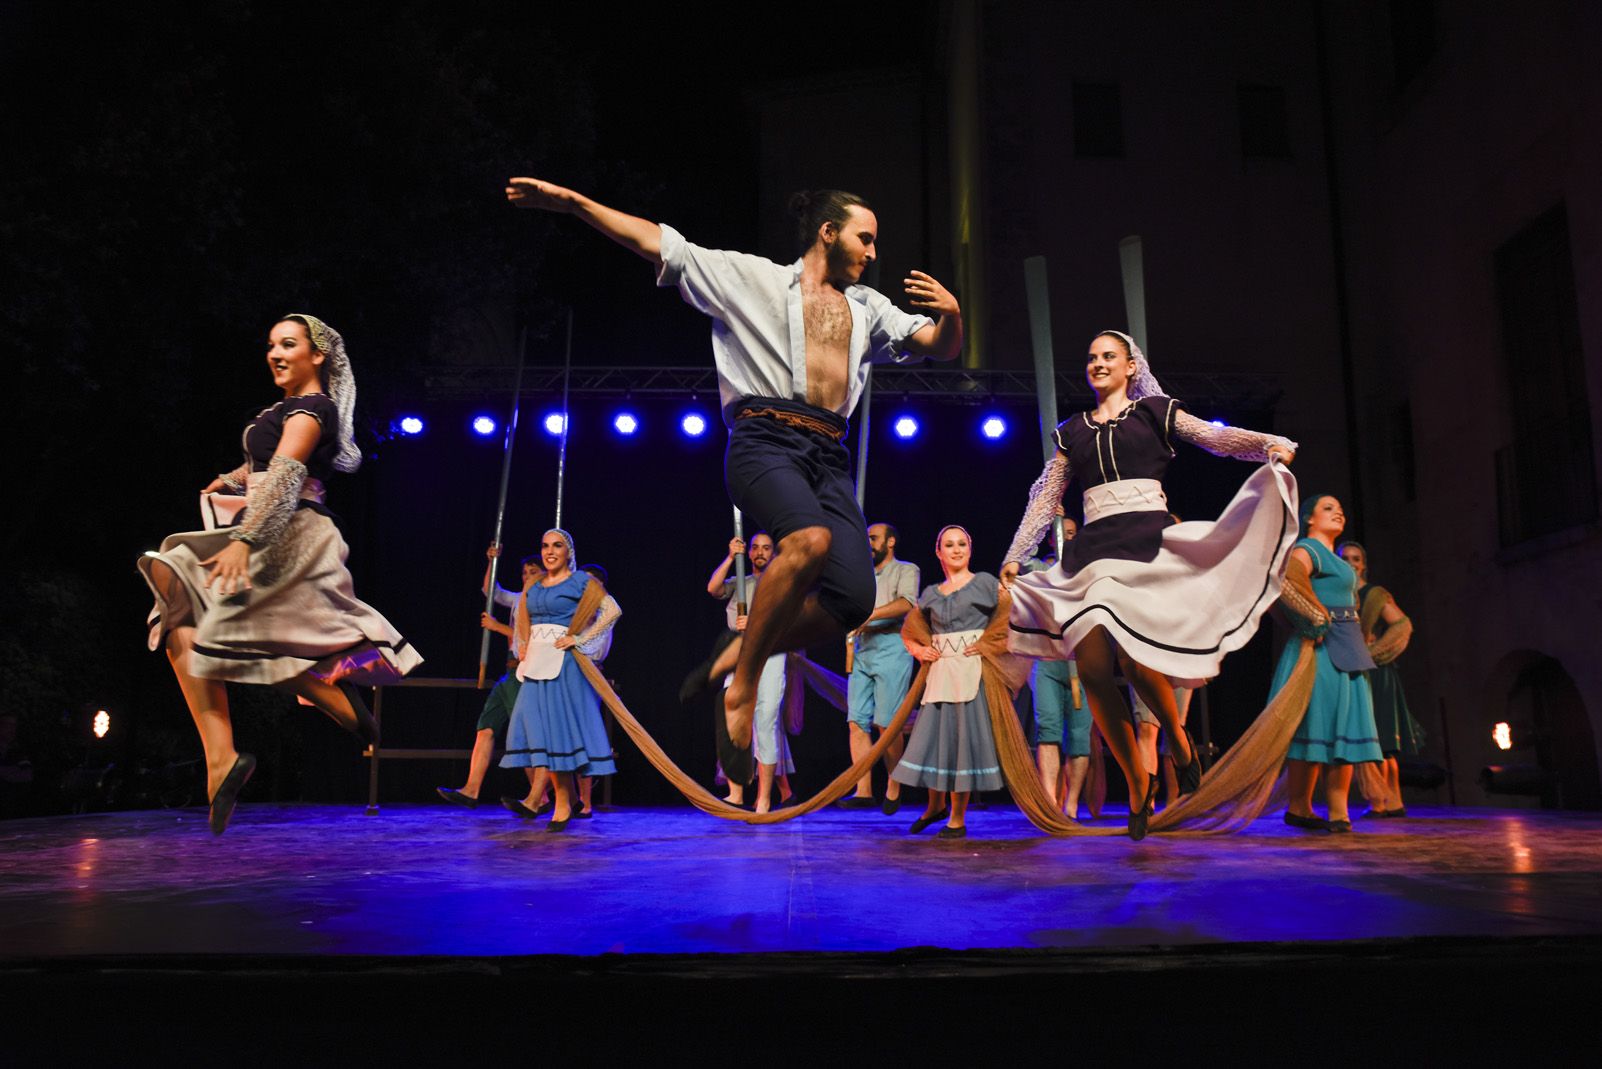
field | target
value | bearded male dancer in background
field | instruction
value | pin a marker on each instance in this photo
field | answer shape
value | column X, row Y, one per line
column 792, row 346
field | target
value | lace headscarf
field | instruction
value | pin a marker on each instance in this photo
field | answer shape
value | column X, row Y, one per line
column 572, row 554
column 1144, row 384
column 339, row 382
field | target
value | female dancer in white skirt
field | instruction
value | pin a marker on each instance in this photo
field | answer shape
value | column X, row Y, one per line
column 1133, row 591
column 269, row 600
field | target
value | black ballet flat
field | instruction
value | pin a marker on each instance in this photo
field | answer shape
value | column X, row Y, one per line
column 952, row 833
column 889, row 806
column 1190, row 776
column 1139, row 821
column 786, row 802
column 1339, row 827
column 515, row 805
column 222, row 803
column 584, row 813
column 699, row 680
column 559, row 825
column 923, row 822
column 857, row 801
column 739, row 764
column 456, row 797
column 1309, row 823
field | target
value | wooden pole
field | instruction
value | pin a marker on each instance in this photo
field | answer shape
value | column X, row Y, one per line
column 500, row 508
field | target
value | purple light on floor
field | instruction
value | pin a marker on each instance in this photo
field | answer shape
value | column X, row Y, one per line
column 410, row 425
column 693, row 424
column 625, row 423
column 905, row 427
column 555, row 423
column 993, row 427
column 483, row 426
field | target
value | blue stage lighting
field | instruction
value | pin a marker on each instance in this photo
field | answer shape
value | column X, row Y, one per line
column 411, row 425
column 993, row 427
column 905, row 427
column 555, row 423
column 483, row 426
column 693, row 424
column 1218, row 423
column 625, row 423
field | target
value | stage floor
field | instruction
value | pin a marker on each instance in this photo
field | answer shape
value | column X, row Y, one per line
column 433, row 880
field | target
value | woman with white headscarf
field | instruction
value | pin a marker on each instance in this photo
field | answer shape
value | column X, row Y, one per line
column 1160, row 603
column 263, row 595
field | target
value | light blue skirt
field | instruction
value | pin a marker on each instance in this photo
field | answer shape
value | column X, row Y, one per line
column 556, row 724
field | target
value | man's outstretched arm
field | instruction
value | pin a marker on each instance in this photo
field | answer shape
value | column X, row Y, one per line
column 640, row 236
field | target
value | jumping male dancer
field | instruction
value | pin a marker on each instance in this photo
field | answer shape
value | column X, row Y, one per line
column 792, row 345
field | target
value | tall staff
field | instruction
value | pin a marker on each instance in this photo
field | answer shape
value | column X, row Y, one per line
column 862, row 488
column 500, row 509
column 561, row 452
column 1039, row 300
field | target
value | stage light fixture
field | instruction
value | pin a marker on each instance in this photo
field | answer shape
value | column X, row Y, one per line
column 693, row 424
column 102, row 723
column 1502, row 735
column 906, row 428
column 555, row 423
column 1218, row 423
column 993, row 427
column 411, row 425
column 483, row 426
column 625, row 423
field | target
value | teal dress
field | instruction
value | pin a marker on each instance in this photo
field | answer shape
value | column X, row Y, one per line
column 1339, row 725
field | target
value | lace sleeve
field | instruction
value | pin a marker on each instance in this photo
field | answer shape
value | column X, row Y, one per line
column 271, row 502
column 1044, row 497
column 235, row 480
column 1391, row 644
column 1296, row 598
column 590, row 639
column 1227, row 441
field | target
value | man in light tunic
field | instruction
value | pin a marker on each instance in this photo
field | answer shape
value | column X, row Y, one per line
column 792, row 345
column 881, row 667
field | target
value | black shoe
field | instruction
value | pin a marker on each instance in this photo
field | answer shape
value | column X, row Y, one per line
column 456, row 797
column 1309, row 823
column 559, row 825
column 583, row 814
column 858, row 801
column 739, row 765
column 699, row 681
column 889, row 806
column 923, row 822
column 222, row 803
column 1138, row 821
column 515, row 805
column 1190, row 776
column 786, row 802
column 1339, row 827
column 952, row 833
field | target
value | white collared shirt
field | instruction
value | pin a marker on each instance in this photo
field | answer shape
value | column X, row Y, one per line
column 758, row 336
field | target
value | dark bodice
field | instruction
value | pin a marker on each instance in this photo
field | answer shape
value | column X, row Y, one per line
column 1136, row 444
column 263, row 433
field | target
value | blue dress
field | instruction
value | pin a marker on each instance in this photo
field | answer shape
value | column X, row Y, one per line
column 952, row 747
column 557, row 723
column 1339, row 725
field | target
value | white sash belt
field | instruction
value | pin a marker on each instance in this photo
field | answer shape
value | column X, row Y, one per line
column 1124, row 495
column 541, row 659
column 955, row 676
column 220, row 510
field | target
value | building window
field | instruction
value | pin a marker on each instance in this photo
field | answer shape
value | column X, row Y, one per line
column 1546, row 478
column 1264, row 129
column 1098, row 121
column 1414, row 38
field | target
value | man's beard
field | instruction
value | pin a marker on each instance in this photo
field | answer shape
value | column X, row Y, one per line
column 879, row 555
column 837, row 261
